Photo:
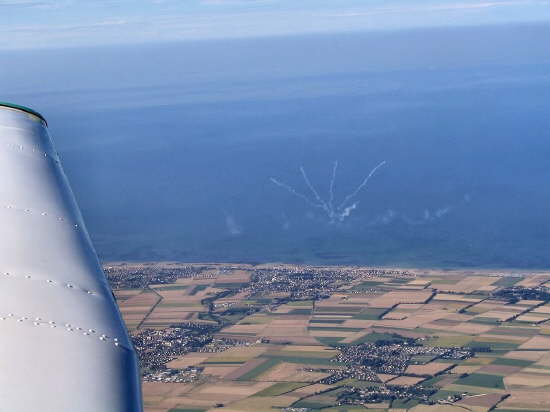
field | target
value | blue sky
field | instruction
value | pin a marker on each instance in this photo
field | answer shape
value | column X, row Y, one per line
column 70, row 23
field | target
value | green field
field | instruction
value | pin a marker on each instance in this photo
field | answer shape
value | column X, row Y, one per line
column 483, row 380
column 371, row 314
column 512, row 362
column 171, row 287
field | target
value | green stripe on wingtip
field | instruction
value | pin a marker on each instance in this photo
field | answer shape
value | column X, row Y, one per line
column 24, row 109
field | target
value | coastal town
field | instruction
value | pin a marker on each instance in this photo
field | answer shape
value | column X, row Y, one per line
column 305, row 338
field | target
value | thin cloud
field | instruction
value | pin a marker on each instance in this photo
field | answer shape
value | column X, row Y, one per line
column 234, row 2
column 142, row 22
column 69, row 28
column 23, row 4
column 438, row 8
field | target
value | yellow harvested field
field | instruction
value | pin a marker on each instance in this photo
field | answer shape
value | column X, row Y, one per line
column 385, row 377
column 527, row 379
column 290, row 372
column 331, row 333
column 261, row 404
column 395, row 297
column 526, row 355
column 455, row 298
column 472, row 328
column 250, row 351
column 542, row 309
column 534, row 317
column 410, row 306
column 136, row 308
column 460, row 369
column 537, row 342
column 485, row 401
column 219, row 371
column 246, row 329
column 405, row 380
column 488, row 337
column 419, row 282
column 233, row 389
column 358, row 323
column 439, row 408
column 534, row 281
column 430, row 369
column 413, row 321
column 395, row 316
column 469, row 284
column 189, row 359
column 526, row 302
column 544, row 360
column 526, row 399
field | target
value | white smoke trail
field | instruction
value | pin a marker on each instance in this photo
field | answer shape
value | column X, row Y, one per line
column 331, row 186
column 360, row 187
column 334, row 215
column 232, row 226
column 315, row 193
column 443, row 211
column 347, row 211
column 294, row 192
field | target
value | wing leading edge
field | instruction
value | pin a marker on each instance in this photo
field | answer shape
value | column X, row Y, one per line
column 63, row 343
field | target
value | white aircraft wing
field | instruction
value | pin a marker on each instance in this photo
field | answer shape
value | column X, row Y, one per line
column 63, row 344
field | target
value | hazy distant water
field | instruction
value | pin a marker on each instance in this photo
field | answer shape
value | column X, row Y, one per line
column 182, row 170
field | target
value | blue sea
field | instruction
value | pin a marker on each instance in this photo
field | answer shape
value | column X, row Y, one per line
column 174, row 150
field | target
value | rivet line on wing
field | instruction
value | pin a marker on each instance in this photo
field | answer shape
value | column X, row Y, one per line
column 51, row 282
column 32, row 151
column 67, row 327
column 41, row 213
